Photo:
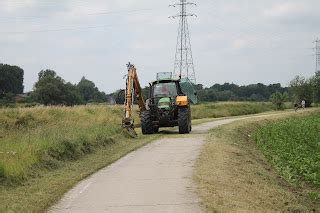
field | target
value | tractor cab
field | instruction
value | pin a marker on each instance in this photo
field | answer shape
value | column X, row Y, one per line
column 168, row 105
column 167, row 87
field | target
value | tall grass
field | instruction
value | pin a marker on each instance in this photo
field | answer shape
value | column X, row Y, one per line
column 33, row 139
column 293, row 147
column 43, row 137
column 226, row 109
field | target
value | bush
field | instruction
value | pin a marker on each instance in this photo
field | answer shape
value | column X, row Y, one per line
column 279, row 99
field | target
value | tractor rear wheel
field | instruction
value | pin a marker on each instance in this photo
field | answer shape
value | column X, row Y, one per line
column 146, row 123
column 184, row 120
column 156, row 129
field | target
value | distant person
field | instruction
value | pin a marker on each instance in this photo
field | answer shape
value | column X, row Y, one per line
column 303, row 104
column 296, row 107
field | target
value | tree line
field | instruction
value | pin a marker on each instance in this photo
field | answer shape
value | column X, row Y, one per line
column 307, row 89
column 11, row 81
column 234, row 92
column 50, row 89
column 300, row 88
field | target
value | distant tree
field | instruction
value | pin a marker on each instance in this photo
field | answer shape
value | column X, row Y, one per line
column 316, row 86
column 233, row 92
column 47, row 73
column 8, row 98
column 90, row 92
column 211, row 95
column 11, row 79
column 256, row 97
column 198, row 87
column 229, row 92
column 302, row 89
column 51, row 89
column 48, row 90
column 87, row 89
column 279, row 99
column 72, row 95
column 145, row 92
column 273, row 88
column 226, row 95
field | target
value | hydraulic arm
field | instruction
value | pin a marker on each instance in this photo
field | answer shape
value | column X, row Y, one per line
column 132, row 88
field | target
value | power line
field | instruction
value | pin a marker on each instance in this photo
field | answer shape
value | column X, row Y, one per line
column 46, row 3
column 317, row 50
column 77, row 27
column 56, row 30
column 184, row 66
column 86, row 14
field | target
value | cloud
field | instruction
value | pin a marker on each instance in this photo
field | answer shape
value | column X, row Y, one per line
column 238, row 41
column 284, row 9
column 9, row 6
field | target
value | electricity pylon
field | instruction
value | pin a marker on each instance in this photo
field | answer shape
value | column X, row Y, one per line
column 183, row 66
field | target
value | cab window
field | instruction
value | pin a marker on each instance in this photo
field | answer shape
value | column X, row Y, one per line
column 165, row 90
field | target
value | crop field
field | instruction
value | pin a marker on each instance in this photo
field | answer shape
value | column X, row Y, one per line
column 293, row 147
column 240, row 166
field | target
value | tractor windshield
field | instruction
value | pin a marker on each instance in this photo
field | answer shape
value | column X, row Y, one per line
column 165, row 90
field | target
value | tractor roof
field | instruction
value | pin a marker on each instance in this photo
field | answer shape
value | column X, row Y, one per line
column 164, row 77
column 165, row 81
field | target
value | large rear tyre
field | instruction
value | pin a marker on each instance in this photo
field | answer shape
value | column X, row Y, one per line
column 156, row 129
column 146, row 123
column 184, row 120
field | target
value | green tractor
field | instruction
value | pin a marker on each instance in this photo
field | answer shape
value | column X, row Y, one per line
column 168, row 105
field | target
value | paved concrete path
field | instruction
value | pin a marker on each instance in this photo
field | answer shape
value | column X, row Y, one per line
column 155, row 178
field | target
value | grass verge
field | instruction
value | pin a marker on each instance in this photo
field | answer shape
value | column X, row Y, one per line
column 234, row 175
column 33, row 139
column 38, row 193
column 44, row 151
column 227, row 109
column 45, row 137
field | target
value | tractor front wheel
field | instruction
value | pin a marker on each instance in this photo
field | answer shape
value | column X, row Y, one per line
column 146, row 123
column 184, row 120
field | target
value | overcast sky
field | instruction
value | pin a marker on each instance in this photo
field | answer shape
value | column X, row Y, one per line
column 240, row 41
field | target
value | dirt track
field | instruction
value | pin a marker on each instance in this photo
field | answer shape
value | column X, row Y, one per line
column 155, row 178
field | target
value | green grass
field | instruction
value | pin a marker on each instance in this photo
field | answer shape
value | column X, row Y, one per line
column 293, row 147
column 38, row 193
column 227, row 109
column 44, row 151
column 42, row 147
column 233, row 174
column 43, row 137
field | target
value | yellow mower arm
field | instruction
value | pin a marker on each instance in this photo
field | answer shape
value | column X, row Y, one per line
column 132, row 87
